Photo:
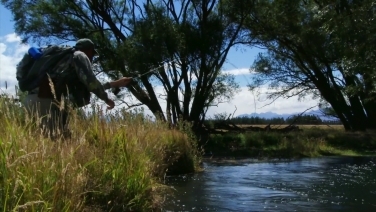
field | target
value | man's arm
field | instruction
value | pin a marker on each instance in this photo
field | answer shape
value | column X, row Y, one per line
column 86, row 75
column 122, row 82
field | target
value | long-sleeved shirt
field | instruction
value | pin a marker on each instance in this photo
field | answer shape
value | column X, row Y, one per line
column 82, row 70
column 86, row 75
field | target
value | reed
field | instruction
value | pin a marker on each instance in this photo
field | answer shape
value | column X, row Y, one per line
column 110, row 163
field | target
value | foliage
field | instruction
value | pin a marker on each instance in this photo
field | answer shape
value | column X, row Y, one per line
column 111, row 162
column 133, row 36
column 323, row 48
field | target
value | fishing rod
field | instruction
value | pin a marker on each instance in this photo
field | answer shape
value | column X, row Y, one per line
column 117, row 90
column 153, row 69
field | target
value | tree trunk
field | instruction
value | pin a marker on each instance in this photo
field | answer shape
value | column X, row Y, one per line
column 329, row 95
column 369, row 101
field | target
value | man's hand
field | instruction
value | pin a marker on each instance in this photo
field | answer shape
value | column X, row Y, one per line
column 125, row 81
column 110, row 103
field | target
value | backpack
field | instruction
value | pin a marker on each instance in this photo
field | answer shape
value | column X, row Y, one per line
column 36, row 63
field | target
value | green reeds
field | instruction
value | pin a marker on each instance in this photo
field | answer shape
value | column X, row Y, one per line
column 110, row 163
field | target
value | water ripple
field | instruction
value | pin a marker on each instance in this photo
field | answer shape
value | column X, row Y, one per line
column 322, row 184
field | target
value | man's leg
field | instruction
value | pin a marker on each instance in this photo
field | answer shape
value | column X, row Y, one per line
column 53, row 120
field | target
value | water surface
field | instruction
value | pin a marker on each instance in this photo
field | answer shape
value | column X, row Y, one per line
column 319, row 184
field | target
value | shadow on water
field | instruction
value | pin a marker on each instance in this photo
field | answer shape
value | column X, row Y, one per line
column 319, row 184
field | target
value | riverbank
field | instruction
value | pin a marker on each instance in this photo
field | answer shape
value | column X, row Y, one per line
column 313, row 141
column 116, row 163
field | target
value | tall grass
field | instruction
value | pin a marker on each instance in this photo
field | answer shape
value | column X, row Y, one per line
column 112, row 164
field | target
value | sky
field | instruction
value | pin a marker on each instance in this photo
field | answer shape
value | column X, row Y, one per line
column 238, row 63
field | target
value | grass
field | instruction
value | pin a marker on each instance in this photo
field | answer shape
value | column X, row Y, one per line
column 119, row 163
column 115, row 165
column 312, row 141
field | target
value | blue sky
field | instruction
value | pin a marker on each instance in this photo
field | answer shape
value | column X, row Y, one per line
column 6, row 23
column 239, row 63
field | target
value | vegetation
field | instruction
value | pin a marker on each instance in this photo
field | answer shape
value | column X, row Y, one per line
column 116, row 163
column 133, row 36
column 314, row 47
column 313, row 141
column 255, row 120
column 324, row 48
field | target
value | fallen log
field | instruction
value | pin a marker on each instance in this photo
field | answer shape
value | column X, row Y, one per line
column 228, row 126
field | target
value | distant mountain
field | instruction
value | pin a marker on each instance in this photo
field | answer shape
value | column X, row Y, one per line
column 270, row 115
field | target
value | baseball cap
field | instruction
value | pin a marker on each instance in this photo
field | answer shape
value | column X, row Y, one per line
column 85, row 43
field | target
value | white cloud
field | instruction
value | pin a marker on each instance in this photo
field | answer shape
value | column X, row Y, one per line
column 241, row 71
column 11, row 38
column 11, row 52
column 246, row 102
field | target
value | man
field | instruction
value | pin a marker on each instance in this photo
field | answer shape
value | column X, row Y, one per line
column 73, row 79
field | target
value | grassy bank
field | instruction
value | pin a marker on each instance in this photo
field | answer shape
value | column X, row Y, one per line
column 312, row 141
column 117, row 165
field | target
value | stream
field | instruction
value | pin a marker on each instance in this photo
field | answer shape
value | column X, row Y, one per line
column 314, row 184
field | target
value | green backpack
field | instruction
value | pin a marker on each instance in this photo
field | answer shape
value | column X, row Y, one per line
column 31, row 70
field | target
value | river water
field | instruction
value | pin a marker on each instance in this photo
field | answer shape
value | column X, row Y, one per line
column 319, row 184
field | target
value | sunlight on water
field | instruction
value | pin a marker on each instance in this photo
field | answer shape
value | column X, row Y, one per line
column 321, row 184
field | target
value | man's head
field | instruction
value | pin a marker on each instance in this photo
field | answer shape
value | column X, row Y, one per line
column 86, row 46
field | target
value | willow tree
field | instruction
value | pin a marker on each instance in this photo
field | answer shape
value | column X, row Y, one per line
column 135, row 35
column 318, row 47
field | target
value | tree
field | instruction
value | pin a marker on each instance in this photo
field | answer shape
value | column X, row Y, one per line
column 198, row 37
column 135, row 35
column 322, row 48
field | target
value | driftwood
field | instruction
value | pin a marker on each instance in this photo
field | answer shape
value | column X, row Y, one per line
column 227, row 126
